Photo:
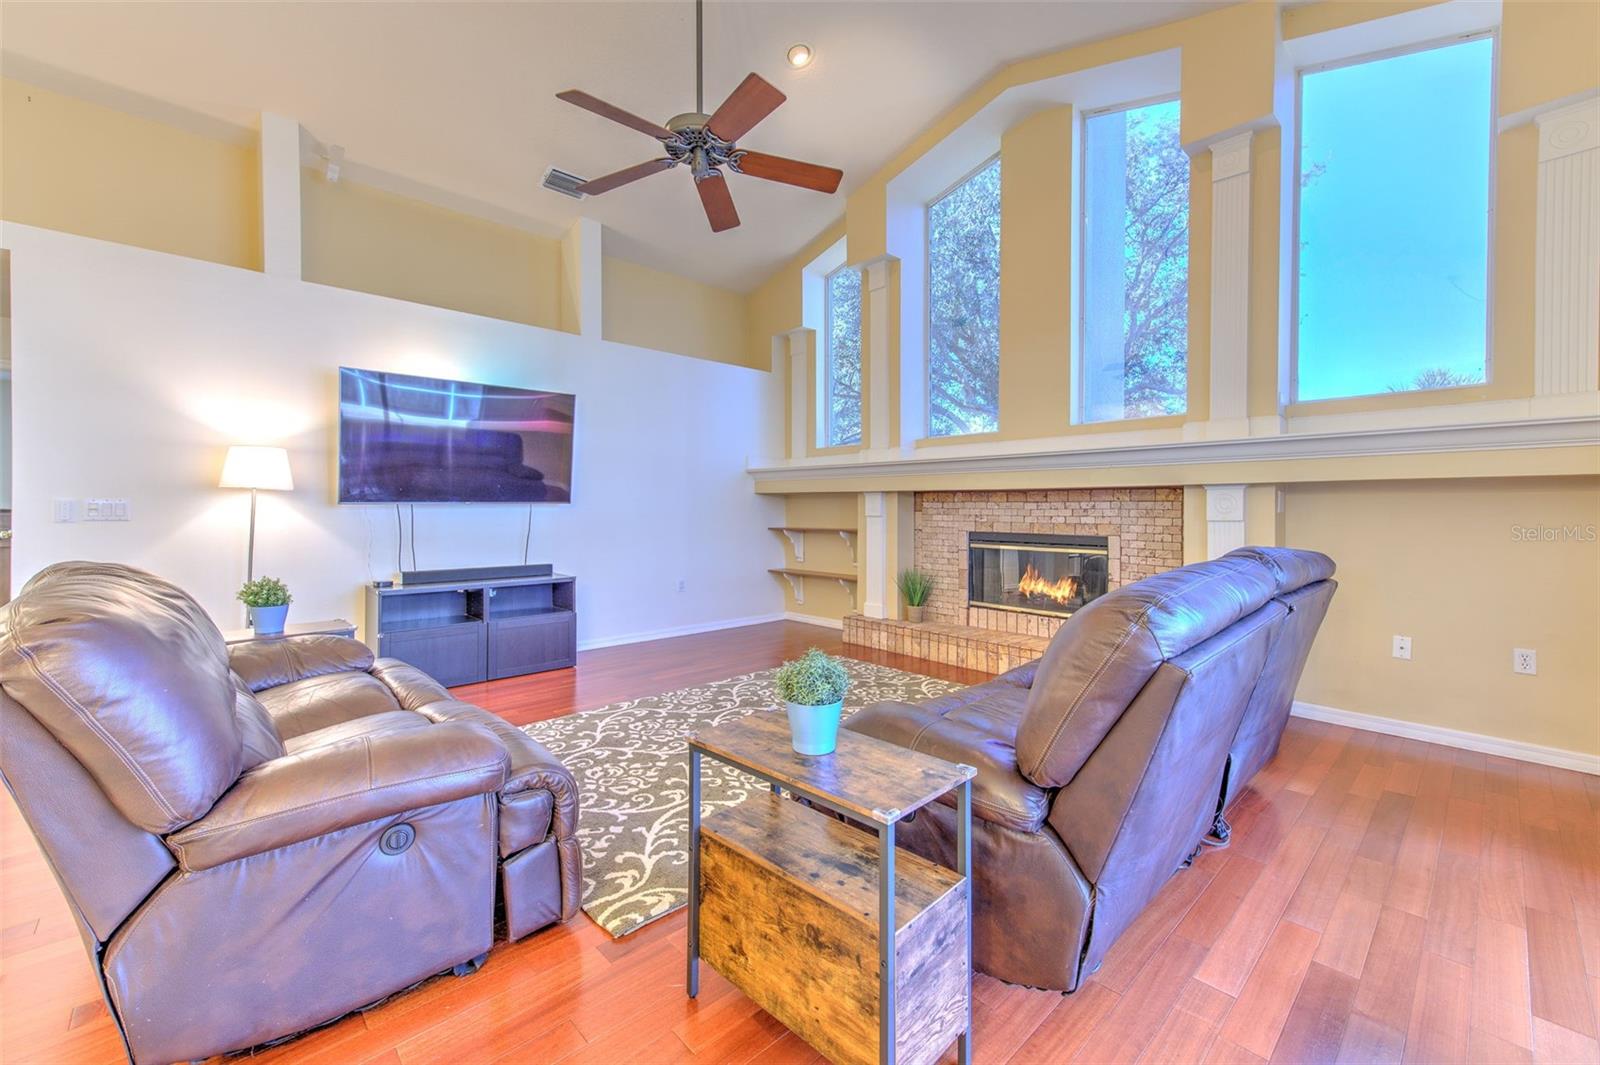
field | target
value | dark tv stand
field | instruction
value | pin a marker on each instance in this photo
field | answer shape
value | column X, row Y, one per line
column 462, row 632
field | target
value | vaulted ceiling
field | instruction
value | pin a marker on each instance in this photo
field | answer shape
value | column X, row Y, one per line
column 459, row 97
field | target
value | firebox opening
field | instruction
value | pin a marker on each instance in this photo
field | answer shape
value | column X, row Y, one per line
column 1036, row 573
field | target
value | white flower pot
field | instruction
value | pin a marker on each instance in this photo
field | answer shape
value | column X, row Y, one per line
column 815, row 729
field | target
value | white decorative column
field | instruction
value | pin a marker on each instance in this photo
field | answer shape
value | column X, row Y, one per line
column 1566, row 299
column 875, row 298
column 1224, row 518
column 280, row 195
column 874, row 573
column 1230, row 287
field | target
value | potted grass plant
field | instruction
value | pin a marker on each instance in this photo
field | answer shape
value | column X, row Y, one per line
column 813, row 687
column 914, row 588
column 268, row 599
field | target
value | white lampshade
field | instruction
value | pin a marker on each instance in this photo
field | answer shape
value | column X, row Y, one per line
column 256, row 467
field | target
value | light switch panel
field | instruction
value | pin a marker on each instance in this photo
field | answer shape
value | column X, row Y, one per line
column 105, row 510
column 65, row 510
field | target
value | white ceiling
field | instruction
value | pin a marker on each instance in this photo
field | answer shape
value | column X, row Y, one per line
column 459, row 97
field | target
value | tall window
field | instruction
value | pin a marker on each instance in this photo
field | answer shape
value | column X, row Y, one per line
column 1135, row 308
column 842, row 364
column 1394, row 223
column 964, row 307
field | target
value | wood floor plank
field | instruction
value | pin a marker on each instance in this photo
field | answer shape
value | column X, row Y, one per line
column 1500, row 997
column 1133, row 1022
column 1561, row 1046
column 1063, row 1033
column 1441, row 1012
column 1227, row 965
column 1389, row 978
column 1367, row 1042
column 1558, row 988
column 1315, row 1026
column 1257, row 1016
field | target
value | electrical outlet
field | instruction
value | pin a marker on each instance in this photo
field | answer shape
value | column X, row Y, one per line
column 1524, row 661
column 1402, row 647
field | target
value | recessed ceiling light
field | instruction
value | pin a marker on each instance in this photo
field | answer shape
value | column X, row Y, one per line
column 800, row 56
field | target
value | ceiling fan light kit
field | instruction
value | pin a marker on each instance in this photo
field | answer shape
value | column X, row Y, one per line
column 708, row 144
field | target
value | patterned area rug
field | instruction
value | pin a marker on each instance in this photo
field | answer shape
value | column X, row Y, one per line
column 632, row 764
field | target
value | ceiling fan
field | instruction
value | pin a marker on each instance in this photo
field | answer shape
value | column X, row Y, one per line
column 708, row 143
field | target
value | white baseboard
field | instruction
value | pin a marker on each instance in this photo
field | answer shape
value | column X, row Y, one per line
column 1449, row 737
column 681, row 630
column 812, row 619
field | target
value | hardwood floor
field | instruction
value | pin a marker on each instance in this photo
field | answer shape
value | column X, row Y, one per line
column 1383, row 900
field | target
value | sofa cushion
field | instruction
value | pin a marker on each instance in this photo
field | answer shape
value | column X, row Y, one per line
column 259, row 735
column 372, row 725
column 317, row 702
column 1102, row 657
column 976, row 726
column 270, row 663
column 131, row 676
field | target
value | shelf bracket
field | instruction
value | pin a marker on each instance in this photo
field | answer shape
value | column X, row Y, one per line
column 797, row 584
column 849, row 538
column 798, row 539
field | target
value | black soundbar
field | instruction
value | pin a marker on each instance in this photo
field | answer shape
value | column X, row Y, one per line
column 473, row 573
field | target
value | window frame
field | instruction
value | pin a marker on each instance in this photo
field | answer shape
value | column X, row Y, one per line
column 1492, row 121
column 927, row 300
column 1079, row 330
column 825, row 394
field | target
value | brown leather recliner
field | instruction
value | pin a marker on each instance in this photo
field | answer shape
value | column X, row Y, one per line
column 260, row 842
column 1102, row 765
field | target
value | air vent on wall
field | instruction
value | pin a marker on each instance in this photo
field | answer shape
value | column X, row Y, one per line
column 563, row 182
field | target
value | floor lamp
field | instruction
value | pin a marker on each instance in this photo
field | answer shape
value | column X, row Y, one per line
column 256, row 468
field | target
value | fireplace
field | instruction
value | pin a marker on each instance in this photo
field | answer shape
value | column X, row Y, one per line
column 1036, row 573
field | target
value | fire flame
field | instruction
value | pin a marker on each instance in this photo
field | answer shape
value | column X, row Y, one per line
column 1063, row 591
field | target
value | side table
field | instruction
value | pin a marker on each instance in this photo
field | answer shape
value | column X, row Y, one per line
column 793, row 906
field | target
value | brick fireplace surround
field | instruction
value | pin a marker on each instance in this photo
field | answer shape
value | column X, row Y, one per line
column 1144, row 527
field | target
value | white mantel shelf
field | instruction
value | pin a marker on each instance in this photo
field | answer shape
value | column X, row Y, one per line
column 1085, row 453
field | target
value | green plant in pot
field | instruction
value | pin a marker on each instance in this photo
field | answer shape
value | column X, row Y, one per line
column 268, row 599
column 914, row 588
column 813, row 686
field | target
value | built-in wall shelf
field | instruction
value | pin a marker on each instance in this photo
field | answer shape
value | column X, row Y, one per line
column 797, row 537
column 797, row 581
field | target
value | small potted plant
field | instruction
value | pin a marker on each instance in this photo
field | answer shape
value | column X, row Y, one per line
column 813, row 686
column 268, row 599
column 914, row 587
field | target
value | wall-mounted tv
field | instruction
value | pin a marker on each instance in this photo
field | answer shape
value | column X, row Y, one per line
column 405, row 439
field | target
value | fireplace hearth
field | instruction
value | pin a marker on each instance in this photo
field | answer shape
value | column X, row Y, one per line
column 1036, row 573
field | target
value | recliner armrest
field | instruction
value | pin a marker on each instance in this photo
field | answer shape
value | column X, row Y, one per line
column 265, row 664
column 302, row 796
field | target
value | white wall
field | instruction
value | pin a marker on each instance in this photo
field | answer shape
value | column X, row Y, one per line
column 134, row 370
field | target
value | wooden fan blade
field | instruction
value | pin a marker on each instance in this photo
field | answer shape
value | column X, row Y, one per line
column 595, row 186
column 616, row 114
column 752, row 101
column 789, row 171
column 718, row 201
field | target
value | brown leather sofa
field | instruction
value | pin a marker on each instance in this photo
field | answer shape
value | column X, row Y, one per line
column 1103, row 765
column 258, row 842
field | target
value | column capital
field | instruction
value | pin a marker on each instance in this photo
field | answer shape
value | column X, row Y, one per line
column 1569, row 130
column 1230, row 157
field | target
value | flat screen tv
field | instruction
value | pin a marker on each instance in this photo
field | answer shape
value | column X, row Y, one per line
column 405, row 439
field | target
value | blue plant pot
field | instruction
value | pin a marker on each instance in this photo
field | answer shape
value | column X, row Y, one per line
column 815, row 728
column 268, row 620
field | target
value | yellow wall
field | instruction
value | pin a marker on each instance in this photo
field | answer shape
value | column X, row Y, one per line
column 1037, row 300
column 659, row 310
column 358, row 237
column 82, row 168
column 1548, row 51
column 1443, row 564
column 825, row 551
